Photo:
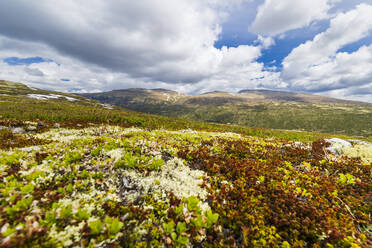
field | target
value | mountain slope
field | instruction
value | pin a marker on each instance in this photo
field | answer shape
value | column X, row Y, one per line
column 16, row 105
column 256, row 108
column 75, row 173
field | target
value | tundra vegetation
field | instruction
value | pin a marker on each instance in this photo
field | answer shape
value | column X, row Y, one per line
column 148, row 181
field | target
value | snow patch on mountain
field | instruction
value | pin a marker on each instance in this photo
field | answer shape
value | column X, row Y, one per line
column 50, row 96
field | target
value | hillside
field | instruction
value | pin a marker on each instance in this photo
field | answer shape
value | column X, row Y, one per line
column 76, row 173
column 15, row 104
column 254, row 108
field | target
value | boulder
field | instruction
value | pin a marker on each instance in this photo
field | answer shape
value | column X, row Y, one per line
column 31, row 128
column 337, row 145
column 338, row 141
column 18, row 130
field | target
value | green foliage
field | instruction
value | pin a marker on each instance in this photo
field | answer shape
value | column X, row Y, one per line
column 261, row 179
column 128, row 160
column 198, row 222
column 70, row 188
column 179, row 209
column 82, row 214
column 98, row 175
column 181, row 227
column 50, row 219
column 66, row 212
column 193, row 204
column 21, row 205
column 211, row 218
column 179, row 239
column 156, row 164
column 168, row 227
column 113, row 225
column 73, row 157
column 27, row 189
column 346, row 179
column 84, row 174
column 12, row 159
column 182, row 241
column 96, row 151
column 96, row 227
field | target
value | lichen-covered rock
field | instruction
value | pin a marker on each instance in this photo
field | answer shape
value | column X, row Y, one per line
column 352, row 148
column 31, row 128
column 359, row 151
column 337, row 145
column 18, row 130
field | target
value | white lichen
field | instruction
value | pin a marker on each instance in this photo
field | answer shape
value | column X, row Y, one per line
column 174, row 177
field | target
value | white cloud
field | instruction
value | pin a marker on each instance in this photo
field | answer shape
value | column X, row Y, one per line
column 278, row 16
column 317, row 66
column 233, row 70
column 362, row 93
column 108, row 44
column 265, row 42
column 148, row 38
column 117, row 44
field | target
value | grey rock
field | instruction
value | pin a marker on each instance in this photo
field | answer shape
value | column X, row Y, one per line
column 56, row 125
column 337, row 145
column 338, row 141
column 18, row 130
column 31, row 128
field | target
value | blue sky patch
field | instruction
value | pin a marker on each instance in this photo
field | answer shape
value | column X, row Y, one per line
column 65, row 80
column 25, row 61
column 353, row 47
column 235, row 34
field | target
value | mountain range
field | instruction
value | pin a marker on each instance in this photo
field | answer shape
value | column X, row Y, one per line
column 255, row 108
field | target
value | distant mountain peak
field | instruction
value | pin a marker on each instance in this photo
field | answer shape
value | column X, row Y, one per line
column 164, row 90
column 263, row 91
column 215, row 92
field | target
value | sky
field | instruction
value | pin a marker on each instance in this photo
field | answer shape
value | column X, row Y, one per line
column 321, row 47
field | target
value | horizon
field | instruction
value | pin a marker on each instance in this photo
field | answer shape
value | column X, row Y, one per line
column 204, row 93
column 322, row 47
